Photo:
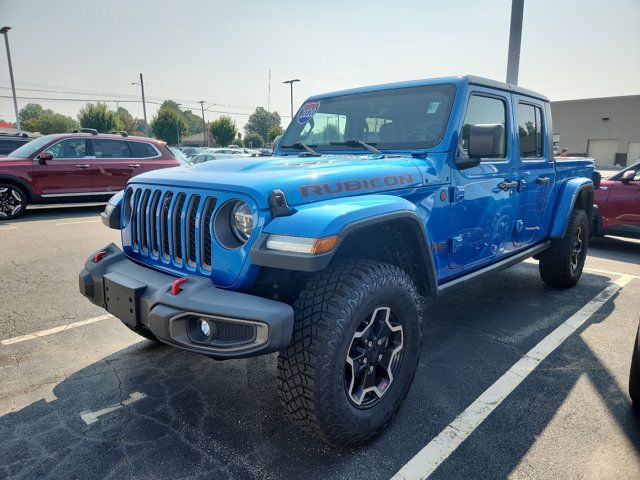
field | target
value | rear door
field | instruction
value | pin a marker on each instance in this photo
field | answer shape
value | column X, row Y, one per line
column 536, row 172
column 149, row 157
column 114, row 164
column 69, row 173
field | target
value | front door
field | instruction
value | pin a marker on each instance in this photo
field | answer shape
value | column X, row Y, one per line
column 623, row 206
column 483, row 197
column 536, row 172
column 69, row 173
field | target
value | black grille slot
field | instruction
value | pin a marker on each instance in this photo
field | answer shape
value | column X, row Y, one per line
column 144, row 241
column 205, row 232
column 230, row 332
column 153, row 211
column 164, row 224
column 192, row 211
column 176, row 233
column 134, row 220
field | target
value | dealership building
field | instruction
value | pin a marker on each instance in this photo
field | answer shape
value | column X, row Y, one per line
column 606, row 129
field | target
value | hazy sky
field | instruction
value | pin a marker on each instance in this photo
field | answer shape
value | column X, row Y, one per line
column 220, row 51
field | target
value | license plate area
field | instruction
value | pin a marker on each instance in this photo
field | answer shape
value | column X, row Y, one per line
column 122, row 297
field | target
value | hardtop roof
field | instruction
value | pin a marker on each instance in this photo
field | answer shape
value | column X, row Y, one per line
column 458, row 81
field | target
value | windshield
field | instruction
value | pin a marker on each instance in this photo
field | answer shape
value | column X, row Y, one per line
column 30, row 148
column 403, row 118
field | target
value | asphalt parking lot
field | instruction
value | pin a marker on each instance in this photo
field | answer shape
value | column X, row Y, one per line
column 96, row 401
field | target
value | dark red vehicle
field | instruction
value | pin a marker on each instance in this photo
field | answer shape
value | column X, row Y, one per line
column 75, row 167
column 618, row 204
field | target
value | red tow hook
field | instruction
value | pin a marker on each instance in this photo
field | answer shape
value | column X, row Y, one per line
column 99, row 256
column 175, row 286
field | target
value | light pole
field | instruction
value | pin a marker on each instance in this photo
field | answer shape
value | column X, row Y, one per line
column 515, row 37
column 144, row 105
column 291, row 82
column 4, row 31
column 204, row 125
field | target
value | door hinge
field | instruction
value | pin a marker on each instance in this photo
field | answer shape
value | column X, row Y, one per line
column 456, row 193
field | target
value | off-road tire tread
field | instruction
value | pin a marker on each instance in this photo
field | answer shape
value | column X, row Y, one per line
column 317, row 329
column 634, row 377
column 554, row 266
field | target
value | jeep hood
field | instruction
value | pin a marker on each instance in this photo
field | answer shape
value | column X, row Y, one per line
column 302, row 179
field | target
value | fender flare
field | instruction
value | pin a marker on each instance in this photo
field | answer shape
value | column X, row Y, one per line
column 568, row 195
column 317, row 221
column 19, row 181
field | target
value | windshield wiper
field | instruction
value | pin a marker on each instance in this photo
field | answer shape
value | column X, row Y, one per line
column 303, row 146
column 358, row 143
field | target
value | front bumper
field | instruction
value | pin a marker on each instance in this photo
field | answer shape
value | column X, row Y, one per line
column 240, row 325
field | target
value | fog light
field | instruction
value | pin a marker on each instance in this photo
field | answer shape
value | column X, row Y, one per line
column 205, row 328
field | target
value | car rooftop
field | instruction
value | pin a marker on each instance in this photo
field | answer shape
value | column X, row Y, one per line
column 458, row 81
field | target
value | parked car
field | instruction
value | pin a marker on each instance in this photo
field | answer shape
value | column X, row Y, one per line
column 618, row 204
column 10, row 142
column 208, row 156
column 323, row 251
column 180, row 156
column 229, row 151
column 75, row 167
column 634, row 374
column 192, row 151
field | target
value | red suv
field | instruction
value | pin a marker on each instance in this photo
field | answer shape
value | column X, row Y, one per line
column 75, row 167
column 618, row 204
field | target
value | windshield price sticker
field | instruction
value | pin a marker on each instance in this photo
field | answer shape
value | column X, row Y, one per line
column 307, row 112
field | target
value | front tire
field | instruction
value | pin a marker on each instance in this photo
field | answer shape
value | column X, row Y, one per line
column 354, row 352
column 13, row 201
column 634, row 376
column 562, row 263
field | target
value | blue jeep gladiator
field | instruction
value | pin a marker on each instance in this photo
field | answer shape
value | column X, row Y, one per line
column 374, row 198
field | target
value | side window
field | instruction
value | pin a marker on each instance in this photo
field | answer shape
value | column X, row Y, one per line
column 104, row 148
column 483, row 110
column 69, row 148
column 142, row 150
column 530, row 131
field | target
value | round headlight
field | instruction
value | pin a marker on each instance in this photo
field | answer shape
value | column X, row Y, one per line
column 241, row 221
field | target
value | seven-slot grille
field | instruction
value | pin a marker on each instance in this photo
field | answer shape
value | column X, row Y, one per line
column 173, row 226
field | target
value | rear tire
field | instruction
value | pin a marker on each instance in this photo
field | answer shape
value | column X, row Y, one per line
column 354, row 351
column 13, row 201
column 634, row 377
column 562, row 263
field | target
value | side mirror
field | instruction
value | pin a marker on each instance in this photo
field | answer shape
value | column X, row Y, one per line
column 628, row 176
column 486, row 141
column 44, row 157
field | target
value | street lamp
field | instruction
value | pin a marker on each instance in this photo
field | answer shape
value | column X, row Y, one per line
column 291, row 82
column 4, row 31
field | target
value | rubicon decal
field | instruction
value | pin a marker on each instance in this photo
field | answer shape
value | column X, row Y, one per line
column 307, row 112
column 355, row 185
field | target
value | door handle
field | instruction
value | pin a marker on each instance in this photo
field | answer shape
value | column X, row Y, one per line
column 83, row 166
column 542, row 180
column 507, row 185
column 134, row 165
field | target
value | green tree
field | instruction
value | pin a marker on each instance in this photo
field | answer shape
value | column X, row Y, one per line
column 98, row 116
column 223, row 130
column 126, row 119
column 274, row 132
column 238, row 141
column 253, row 140
column 194, row 122
column 29, row 111
column 168, row 125
column 261, row 122
column 141, row 127
column 49, row 122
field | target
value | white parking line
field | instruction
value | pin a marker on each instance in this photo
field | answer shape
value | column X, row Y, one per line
column 51, row 331
column 425, row 462
column 609, row 272
column 76, row 223
column 7, row 228
column 93, row 417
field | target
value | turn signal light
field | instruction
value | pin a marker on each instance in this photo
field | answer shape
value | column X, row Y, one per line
column 99, row 256
column 175, row 286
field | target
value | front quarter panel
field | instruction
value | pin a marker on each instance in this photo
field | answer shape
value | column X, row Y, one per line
column 567, row 196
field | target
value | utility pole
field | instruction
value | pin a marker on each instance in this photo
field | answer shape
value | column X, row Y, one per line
column 178, row 124
column 515, row 37
column 291, row 82
column 4, row 31
column 269, row 93
column 204, row 124
column 144, row 105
